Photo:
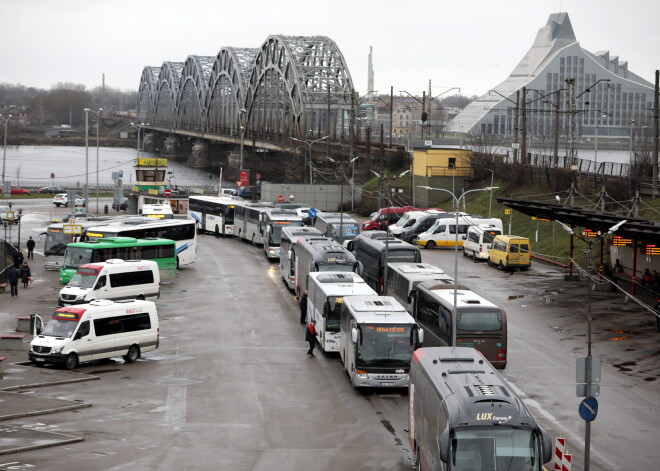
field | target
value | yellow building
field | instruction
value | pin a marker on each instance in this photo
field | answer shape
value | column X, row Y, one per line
column 440, row 168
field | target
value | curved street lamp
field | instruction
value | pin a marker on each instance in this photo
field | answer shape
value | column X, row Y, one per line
column 457, row 205
column 98, row 123
column 4, row 151
column 309, row 145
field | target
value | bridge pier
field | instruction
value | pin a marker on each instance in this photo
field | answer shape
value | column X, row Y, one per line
column 149, row 143
column 198, row 157
column 171, row 146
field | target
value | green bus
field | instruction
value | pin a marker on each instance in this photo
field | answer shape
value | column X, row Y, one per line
column 161, row 251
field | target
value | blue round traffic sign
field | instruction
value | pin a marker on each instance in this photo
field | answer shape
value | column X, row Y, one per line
column 588, row 408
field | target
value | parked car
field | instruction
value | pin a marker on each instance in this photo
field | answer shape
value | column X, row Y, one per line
column 123, row 206
column 62, row 199
column 246, row 192
column 51, row 190
column 3, row 213
column 72, row 216
column 16, row 190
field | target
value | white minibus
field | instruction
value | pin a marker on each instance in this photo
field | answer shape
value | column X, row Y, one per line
column 479, row 240
column 100, row 329
column 114, row 279
column 443, row 232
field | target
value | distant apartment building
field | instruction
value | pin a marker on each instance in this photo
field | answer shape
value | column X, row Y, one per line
column 406, row 113
column 608, row 96
column 19, row 114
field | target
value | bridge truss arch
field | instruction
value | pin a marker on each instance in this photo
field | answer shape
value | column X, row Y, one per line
column 227, row 89
column 147, row 94
column 193, row 87
column 167, row 94
column 300, row 85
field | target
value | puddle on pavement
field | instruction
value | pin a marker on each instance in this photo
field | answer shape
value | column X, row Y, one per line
column 650, row 378
column 516, row 296
column 98, row 372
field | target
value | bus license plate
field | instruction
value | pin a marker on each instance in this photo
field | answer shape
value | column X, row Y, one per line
column 39, row 359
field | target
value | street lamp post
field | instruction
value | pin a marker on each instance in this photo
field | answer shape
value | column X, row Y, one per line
column 632, row 122
column 4, row 151
column 490, row 200
column 86, row 190
column 309, row 145
column 352, row 162
column 457, row 202
column 241, row 120
column 98, row 123
column 596, row 143
column 589, row 359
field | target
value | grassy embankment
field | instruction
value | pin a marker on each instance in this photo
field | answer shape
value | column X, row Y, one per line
column 553, row 241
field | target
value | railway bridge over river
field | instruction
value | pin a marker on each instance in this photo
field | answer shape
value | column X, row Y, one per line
column 292, row 87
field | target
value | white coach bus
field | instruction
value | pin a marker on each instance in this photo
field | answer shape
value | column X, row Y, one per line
column 327, row 292
column 273, row 220
column 378, row 338
column 214, row 214
column 402, row 277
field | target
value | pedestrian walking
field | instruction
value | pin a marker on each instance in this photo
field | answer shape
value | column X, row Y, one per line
column 30, row 246
column 25, row 274
column 13, row 276
column 303, row 308
column 310, row 336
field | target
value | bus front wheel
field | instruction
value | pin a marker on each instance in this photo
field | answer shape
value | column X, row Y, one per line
column 71, row 361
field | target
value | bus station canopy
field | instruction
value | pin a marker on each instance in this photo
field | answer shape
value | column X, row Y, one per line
column 641, row 230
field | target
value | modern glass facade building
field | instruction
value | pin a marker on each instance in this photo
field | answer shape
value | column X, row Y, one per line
column 617, row 107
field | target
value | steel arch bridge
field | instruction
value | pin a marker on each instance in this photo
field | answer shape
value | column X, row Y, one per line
column 292, row 86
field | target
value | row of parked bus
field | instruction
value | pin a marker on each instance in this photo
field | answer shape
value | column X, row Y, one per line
column 384, row 312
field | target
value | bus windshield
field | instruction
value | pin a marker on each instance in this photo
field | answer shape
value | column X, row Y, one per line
column 83, row 280
column 56, row 242
column 59, row 328
column 498, row 447
column 76, row 256
column 275, row 231
column 384, row 345
column 479, row 321
column 334, row 266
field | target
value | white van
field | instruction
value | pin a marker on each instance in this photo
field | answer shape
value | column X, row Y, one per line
column 479, row 240
column 100, row 329
column 157, row 211
column 114, row 279
column 443, row 232
column 406, row 221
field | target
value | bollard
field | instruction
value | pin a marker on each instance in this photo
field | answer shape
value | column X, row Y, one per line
column 105, row 209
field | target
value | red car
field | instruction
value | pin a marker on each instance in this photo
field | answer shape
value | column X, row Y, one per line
column 15, row 190
column 385, row 217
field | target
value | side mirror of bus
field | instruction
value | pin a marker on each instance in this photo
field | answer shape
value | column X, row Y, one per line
column 360, row 269
column 354, row 335
column 443, row 446
column 420, row 336
column 326, row 309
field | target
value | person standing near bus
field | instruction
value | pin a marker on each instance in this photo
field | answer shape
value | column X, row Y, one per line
column 310, row 336
column 30, row 246
column 303, row 308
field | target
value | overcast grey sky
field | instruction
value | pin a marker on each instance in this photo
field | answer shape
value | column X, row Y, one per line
column 472, row 44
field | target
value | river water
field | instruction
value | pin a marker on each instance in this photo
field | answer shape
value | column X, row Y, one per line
column 32, row 166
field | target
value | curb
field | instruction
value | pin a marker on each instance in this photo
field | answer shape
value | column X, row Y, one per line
column 37, row 447
column 83, row 405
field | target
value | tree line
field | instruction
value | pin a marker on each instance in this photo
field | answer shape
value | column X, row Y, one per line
column 65, row 101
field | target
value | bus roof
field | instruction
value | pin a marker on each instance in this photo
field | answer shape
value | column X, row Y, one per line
column 114, row 241
column 292, row 231
column 219, row 199
column 341, row 284
column 417, row 268
column 335, row 217
column 470, row 386
column 464, row 296
column 378, row 310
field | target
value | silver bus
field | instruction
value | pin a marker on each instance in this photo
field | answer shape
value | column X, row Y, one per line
column 289, row 237
column 247, row 221
column 464, row 416
column 403, row 277
column 338, row 226
column 273, row 220
column 318, row 254
column 377, row 340
column 214, row 214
